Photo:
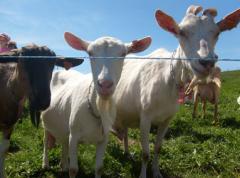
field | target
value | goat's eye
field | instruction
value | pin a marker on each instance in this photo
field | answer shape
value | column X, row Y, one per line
column 183, row 33
column 217, row 34
column 123, row 54
column 90, row 53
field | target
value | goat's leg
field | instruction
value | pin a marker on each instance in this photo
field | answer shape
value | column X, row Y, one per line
column 125, row 141
column 64, row 159
column 216, row 119
column 45, row 163
column 73, row 159
column 195, row 105
column 4, row 148
column 162, row 129
column 204, row 103
column 145, row 125
column 100, row 150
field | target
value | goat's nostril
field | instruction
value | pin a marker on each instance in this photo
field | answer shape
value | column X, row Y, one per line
column 203, row 62
column 105, row 83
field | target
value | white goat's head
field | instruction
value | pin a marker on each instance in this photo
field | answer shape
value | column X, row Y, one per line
column 106, row 72
column 198, row 35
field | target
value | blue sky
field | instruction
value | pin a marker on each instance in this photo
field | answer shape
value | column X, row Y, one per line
column 44, row 22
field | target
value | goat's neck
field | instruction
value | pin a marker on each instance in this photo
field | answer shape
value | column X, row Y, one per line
column 17, row 83
column 176, row 68
column 107, row 111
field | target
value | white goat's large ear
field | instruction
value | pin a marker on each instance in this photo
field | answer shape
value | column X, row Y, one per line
column 139, row 45
column 167, row 22
column 211, row 11
column 75, row 42
column 230, row 21
column 194, row 9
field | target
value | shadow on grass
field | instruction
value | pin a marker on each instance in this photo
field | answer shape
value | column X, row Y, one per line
column 179, row 128
column 45, row 173
column 230, row 122
column 133, row 162
column 185, row 128
column 13, row 147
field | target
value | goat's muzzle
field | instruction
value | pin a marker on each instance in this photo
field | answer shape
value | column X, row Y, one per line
column 105, row 88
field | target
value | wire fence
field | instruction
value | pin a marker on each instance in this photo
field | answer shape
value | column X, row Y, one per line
column 2, row 58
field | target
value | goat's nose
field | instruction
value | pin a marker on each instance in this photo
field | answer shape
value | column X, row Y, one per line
column 105, row 84
column 207, row 63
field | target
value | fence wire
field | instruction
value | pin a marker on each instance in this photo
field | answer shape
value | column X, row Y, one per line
column 2, row 58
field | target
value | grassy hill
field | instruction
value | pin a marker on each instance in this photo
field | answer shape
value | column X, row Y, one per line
column 192, row 148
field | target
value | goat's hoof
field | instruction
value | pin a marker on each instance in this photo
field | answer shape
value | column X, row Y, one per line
column 156, row 173
column 72, row 172
column 64, row 167
column 99, row 172
column 45, row 166
column 128, row 155
column 215, row 123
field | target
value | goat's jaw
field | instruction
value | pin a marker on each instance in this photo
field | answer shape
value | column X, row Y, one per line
column 105, row 93
column 104, row 96
column 201, row 71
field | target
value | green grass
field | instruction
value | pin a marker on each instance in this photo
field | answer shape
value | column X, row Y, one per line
column 192, row 148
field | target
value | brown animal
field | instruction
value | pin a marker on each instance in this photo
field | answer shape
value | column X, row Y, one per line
column 20, row 78
column 207, row 89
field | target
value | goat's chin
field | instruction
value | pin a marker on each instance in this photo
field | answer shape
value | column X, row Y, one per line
column 34, row 114
column 104, row 97
column 105, row 94
column 200, row 71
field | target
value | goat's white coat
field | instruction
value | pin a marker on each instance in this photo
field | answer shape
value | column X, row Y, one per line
column 147, row 95
column 148, row 90
column 69, row 118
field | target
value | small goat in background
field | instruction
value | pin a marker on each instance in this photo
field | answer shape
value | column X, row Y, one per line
column 207, row 90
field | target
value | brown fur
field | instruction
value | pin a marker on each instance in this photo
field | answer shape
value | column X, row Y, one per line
column 11, row 93
column 207, row 90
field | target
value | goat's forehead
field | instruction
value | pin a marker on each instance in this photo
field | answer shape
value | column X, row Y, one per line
column 107, row 45
column 198, row 22
column 32, row 65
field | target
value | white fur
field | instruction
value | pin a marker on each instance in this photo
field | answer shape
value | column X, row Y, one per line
column 147, row 92
column 68, row 118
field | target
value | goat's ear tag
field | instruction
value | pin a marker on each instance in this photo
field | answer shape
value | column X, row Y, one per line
column 67, row 65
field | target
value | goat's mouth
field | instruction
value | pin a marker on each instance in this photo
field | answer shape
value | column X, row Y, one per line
column 105, row 93
column 203, row 67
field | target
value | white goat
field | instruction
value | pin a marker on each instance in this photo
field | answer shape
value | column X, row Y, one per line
column 148, row 90
column 71, row 116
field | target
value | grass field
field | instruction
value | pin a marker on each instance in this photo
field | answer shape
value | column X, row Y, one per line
column 192, row 148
